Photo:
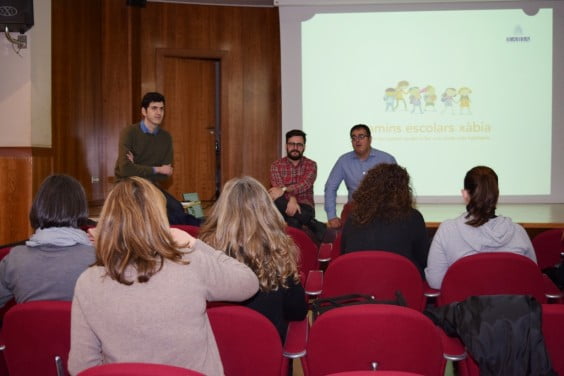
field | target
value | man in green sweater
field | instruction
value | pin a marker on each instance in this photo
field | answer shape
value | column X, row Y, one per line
column 145, row 150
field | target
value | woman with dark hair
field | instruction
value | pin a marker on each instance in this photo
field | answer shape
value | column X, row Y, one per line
column 383, row 217
column 476, row 231
column 247, row 225
column 48, row 265
column 145, row 298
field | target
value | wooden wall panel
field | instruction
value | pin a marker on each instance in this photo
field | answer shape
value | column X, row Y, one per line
column 262, row 101
column 22, row 169
column 76, row 93
column 249, row 37
column 120, row 62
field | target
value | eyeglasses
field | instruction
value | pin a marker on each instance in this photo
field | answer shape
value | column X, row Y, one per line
column 295, row 145
column 359, row 137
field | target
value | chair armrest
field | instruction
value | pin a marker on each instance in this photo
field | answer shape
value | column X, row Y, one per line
column 296, row 339
column 314, row 282
column 453, row 349
column 430, row 292
column 550, row 290
column 325, row 251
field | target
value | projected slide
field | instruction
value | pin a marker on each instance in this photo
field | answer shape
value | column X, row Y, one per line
column 442, row 91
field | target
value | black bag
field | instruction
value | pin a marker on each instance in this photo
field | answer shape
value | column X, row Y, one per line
column 320, row 306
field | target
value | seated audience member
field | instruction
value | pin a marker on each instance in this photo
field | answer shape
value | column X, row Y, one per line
column 383, row 217
column 48, row 265
column 351, row 168
column 292, row 179
column 476, row 231
column 144, row 300
column 246, row 224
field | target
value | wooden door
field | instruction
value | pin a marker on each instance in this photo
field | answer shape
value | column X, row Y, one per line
column 191, row 88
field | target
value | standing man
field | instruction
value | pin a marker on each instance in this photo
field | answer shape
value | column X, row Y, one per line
column 145, row 150
column 292, row 179
column 351, row 167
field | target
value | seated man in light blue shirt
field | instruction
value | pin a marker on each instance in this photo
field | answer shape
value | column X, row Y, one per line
column 351, row 167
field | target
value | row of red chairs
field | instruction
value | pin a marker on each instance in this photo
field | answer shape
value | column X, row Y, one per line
column 354, row 338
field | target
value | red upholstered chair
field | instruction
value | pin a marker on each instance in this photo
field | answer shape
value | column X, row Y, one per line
column 309, row 262
column 373, row 336
column 192, row 230
column 346, row 211
column 138, row 369
column 36, row 335
column 4, row 251
column 3, row 369
column 549, row 247
column 336, row 248
column 248, row 342
column 553, row 331
column 494, row 273
column 376, row 273
column 375, row 373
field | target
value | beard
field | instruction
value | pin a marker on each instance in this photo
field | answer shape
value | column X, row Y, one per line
column 295, row 155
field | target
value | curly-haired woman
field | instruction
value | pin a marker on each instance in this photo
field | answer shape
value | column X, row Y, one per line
column 383, row 217
column 246, row 224
column 478, row 230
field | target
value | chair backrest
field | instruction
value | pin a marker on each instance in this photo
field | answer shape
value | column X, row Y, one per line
column 375, row 373
column 4, row 252
column 377, row 273
column 248, row 342
column 35, row 333
column 492, row 273
column 308, row 251
column 553, row 332
column 336, row 252
column 355, row 338
column 346, row 211
column 138, row 369
column 192, row 230
column 548, row 246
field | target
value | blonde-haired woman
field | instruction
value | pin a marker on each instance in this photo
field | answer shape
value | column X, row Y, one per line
column 144, row 300
column 246, row 224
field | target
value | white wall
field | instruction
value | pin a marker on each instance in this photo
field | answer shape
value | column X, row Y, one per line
column 25, row 85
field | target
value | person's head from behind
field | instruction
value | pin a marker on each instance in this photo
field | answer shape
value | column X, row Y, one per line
column 361, row 139
column 133, row 231
column 384, row 193
column 295, row 144
column 152, row 109
column 480, row 193
column 245, row 224
column 59, row 202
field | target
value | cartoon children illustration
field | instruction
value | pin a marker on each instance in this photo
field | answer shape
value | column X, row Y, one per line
column 390, row 98
column 400, row 92
column 464, row 100
column 415, row 99
column 448, row 100
column 430, row 97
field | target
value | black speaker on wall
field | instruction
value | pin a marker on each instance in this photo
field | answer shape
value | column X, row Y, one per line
column 137, row 3
column 17, row 15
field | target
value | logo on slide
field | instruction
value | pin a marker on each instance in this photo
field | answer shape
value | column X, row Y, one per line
column 518, row 36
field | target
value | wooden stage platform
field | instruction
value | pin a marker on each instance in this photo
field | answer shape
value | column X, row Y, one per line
column 534, row 218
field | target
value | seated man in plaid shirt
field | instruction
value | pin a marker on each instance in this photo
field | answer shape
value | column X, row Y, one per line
column 292, row 179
